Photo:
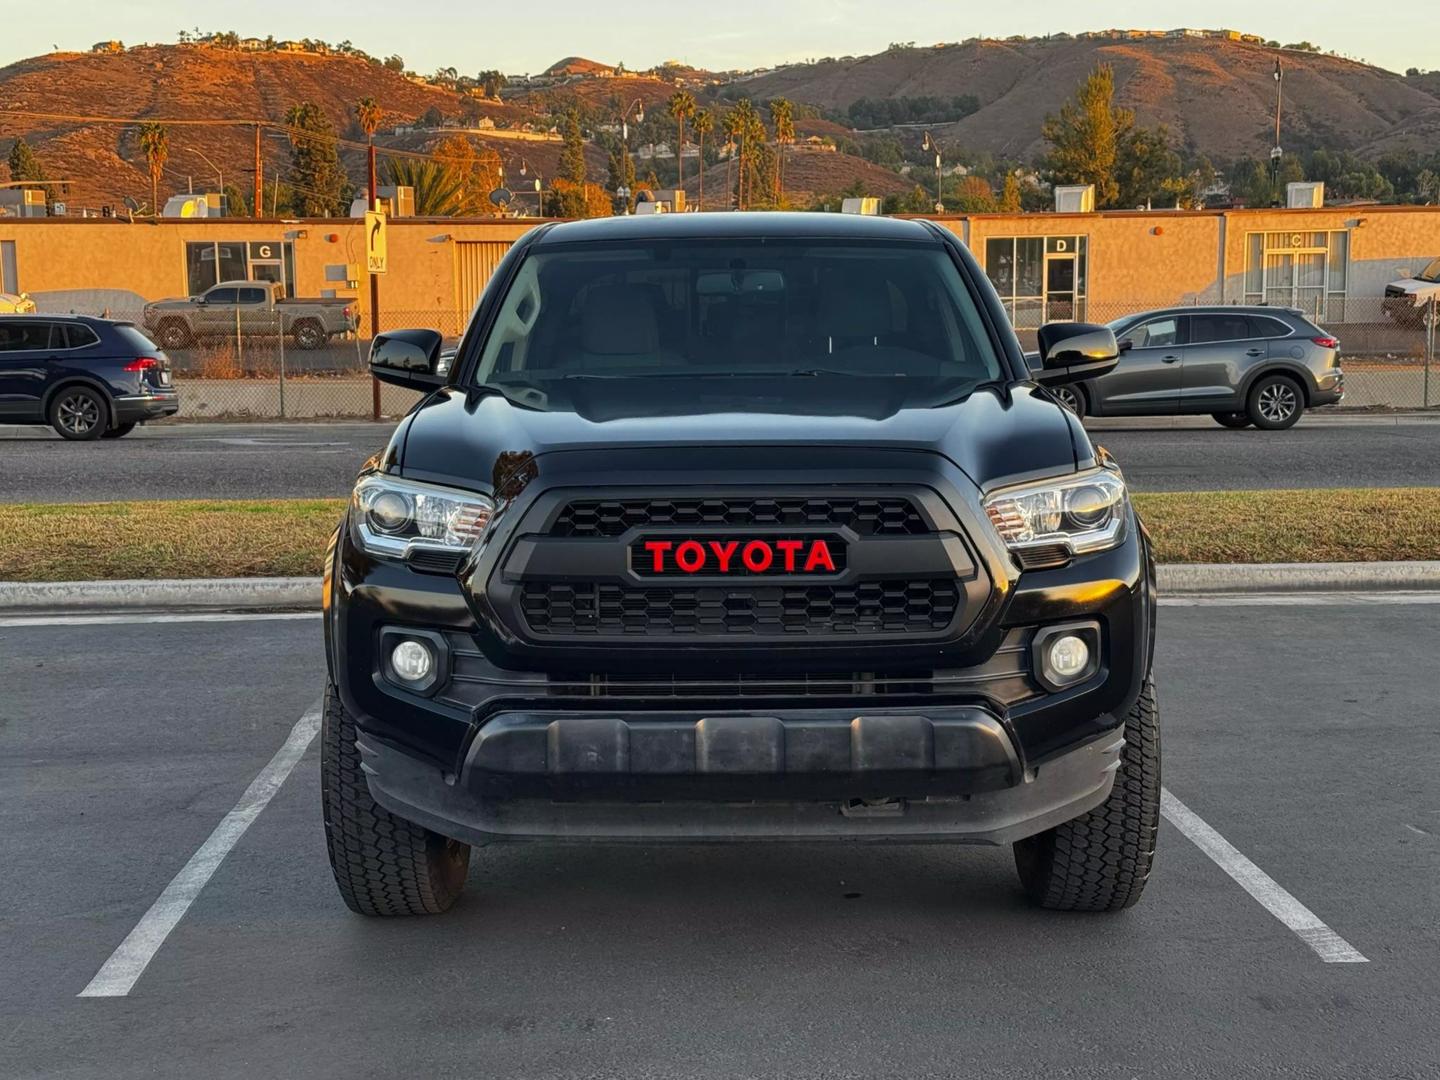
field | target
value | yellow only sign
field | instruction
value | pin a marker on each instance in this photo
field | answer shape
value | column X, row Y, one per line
column 374, row 242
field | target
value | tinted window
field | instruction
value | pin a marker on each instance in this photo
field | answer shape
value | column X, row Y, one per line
column 1156, row 333
column 1218, row 327
column 135, row 339
column 78, row 335
column 252, row 296
column 1266, row 327
column 776, row 321
column 19, row 336
column 220, row 296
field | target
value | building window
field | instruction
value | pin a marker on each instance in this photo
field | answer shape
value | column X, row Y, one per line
column 1040, row 279
column 208, row 262
column 1305, row 270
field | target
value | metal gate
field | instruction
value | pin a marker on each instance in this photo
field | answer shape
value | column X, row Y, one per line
column 475, row 262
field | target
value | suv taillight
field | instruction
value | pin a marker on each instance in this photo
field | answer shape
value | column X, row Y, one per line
column 1326, row 342
column 141, row 363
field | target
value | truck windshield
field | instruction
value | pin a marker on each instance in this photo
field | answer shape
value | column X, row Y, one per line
column 771, row 317
column 1431, row 272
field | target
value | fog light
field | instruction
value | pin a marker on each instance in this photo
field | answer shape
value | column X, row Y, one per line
column 412, row 661
column 1067, row 657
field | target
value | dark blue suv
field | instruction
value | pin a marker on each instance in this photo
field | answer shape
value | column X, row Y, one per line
column 87, row 378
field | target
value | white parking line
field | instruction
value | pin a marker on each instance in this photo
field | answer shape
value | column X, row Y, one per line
column 1309, row 599
column 1328, row 945
column 138, row 618
column 128, row 962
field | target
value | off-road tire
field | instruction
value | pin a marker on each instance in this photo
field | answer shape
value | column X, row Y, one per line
column 174, row 334
column 1101, row 860
column 119, row 431
column 383, row 865
column 308, row 334
column 1234, row 420
column 1265, row 403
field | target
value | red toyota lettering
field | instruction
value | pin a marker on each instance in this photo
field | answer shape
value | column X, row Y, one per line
column 790, row 548
column 724, row 552
column 819, row 558
column 657, row 550
column 757, row 556
column 690, row 556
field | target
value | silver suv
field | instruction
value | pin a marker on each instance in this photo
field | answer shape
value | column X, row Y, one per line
column 1242, row 365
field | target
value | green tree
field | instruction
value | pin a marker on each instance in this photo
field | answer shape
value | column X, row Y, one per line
column 476, row 168
column 572, row 151
column 1010, row 198
column 394, row 63
column 155, row 143
column 237, row 204
column 744, row 129
column 704, row 124
column 1085, row 138
column 681, row 108
column 320, row 186
column 24, row 165
column 782, row 116
column 1146, row 169
column 491, row 82
column 439, row 189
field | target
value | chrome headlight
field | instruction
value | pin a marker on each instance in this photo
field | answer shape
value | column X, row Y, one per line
column 393, row 516
column 1082, row 513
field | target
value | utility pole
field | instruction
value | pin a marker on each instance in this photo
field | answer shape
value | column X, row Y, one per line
column 374, row 291
column 1276, row 153
column 258, row 203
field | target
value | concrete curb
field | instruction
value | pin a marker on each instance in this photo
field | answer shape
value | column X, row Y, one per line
column 303, row 594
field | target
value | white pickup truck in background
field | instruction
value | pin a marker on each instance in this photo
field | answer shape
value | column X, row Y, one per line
column 1409, row 300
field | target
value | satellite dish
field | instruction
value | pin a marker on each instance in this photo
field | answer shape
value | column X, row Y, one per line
column 130, row 203
column 501, row 196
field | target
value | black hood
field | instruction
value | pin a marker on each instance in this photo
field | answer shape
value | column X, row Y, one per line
column 472, row 439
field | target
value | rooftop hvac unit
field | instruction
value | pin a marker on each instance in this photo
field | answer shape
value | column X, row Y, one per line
column 22, row 202
column 1075, row 198
column 870, row 207
column 188, row 206
column 1305, row 195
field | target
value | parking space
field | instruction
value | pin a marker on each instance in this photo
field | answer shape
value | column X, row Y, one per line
column 1303, row 735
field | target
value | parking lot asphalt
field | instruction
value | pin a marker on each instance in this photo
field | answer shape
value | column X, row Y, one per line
column 319, row 460
column 1303, row 735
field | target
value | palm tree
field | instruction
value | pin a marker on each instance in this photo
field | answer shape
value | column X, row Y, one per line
column 368, row 115
column 782, row 115
column 439, row 189
column 704, row 124
column 155, row 141
column 747, row 126
column 682, row 108
column 730, row 125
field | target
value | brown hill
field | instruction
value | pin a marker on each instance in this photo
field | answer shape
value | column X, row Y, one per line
column 808, row 174
column 1216, row 95
column 192, row 82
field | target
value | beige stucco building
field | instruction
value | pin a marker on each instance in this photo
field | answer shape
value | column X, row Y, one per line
column 1332, row 262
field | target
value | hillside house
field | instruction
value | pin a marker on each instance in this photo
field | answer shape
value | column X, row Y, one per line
column 108, row 47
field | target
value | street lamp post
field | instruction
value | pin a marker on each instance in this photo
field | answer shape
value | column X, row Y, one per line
column 539, row 187
column 1276, row 153
column 219, row 172
column 931, row 144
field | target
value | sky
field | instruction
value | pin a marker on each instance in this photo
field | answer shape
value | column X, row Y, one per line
column 520, row 38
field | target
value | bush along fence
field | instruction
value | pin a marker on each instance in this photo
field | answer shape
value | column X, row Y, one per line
column 251, row 367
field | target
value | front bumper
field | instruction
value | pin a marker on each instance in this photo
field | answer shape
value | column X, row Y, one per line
column 746, row 778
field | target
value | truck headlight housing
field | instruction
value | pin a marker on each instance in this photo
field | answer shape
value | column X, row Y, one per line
column 393, row 516
column 1081, row 513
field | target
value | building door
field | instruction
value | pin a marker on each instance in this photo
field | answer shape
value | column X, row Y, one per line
column 1060, row 280
column 475, row 263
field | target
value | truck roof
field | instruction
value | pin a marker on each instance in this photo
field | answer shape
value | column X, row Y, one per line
column 740, row 225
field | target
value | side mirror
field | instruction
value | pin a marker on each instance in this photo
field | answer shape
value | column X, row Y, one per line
column 1071, row 351
column 409, row 358
column 1126, row 345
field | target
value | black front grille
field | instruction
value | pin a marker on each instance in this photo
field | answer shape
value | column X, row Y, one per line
column 877, row 516
column 872, row 607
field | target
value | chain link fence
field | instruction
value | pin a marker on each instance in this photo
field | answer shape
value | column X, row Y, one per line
column 268, row 365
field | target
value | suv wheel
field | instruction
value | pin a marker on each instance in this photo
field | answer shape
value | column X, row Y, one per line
column 309, row 335
column 1276, row 402
column 1101, row 860
column 79, row 413
column 1073, row 398
column 1231, row 419
column 383, row 865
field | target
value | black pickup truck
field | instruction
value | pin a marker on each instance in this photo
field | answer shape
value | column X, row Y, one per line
column 740, row 527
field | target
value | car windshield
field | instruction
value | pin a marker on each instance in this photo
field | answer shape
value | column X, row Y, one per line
column 1430, row 273
column 768, row 320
